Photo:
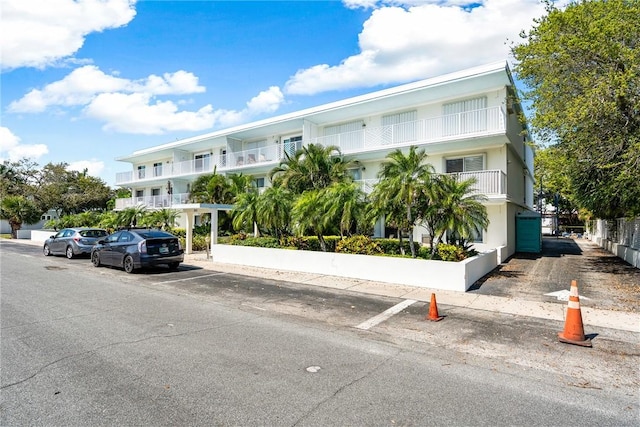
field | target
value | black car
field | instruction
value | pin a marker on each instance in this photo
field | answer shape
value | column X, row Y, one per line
column 138, row 248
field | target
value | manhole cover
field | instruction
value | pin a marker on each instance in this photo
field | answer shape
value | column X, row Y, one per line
column 54, row 267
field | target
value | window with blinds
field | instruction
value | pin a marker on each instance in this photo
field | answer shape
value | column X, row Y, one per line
column 466, row 116
column 465, row 164
column 400, row 127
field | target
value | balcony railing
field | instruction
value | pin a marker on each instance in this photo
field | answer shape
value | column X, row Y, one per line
column 486, row 121
column 488, row 182
column 153, row 202
column 453, row 126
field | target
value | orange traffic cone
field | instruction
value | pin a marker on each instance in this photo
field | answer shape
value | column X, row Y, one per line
column 573, row 330
column 433, row 310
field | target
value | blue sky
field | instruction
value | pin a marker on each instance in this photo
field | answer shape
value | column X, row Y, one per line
column 86, row 81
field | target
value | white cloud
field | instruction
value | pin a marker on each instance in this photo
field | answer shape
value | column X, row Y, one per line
column 133, row 106
column 94, row 167
column 12, row 149
column 399, row 44
column 40, row 33
column 83, row 84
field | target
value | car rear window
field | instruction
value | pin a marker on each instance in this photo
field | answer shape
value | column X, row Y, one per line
column 151, row 234
column 93, row 233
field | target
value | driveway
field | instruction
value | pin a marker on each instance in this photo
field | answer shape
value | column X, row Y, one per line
column 604, row 280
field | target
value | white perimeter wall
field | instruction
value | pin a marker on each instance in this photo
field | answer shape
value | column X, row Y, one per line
column 455, row 276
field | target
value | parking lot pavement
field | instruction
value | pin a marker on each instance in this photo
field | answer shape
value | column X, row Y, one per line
column 609, row 288
column 526, row 285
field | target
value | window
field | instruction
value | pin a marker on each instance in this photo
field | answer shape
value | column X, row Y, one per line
column 292, row 144
column 139, row 195
column 465, row 116
column 465, row 164
column 203, row 162
column 259, row 182
column 355, row 173
column 157, row 169
column 399, row 127
column 141, row 172
column 155, row 191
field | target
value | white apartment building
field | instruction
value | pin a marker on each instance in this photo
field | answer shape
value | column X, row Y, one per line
column 468, row 122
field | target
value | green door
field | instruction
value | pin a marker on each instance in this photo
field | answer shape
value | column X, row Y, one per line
column 528, row 232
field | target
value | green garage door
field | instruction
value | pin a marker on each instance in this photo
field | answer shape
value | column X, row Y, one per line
column 529, row 232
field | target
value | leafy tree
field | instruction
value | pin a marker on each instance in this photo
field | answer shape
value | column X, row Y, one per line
column 163, row 218
column 582, row 65
column 17, row 177
column 18, row 210
column 404, row 178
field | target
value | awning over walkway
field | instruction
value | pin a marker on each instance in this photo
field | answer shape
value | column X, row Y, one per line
column 190, row 210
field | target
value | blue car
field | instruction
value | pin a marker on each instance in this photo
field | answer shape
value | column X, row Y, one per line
column 138, row 248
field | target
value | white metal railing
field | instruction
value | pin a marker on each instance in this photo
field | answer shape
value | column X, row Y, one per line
column 471, row 123
column 153, row 202
column 488, row 182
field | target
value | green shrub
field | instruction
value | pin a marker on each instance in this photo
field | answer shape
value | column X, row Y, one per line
column 358, row 244
column 448, row 252
column 198, row 243
column 392, row 246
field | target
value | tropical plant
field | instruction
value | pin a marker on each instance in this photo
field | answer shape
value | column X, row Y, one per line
column 309, row 213
column 245, row 212
column 344, row 204
column 403, row 180
column 18, row 210
column 461, row 211
column 130, row 217
column 274, row 210
column 312, row 167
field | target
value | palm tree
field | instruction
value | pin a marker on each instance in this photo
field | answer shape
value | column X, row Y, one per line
column 309, row 213
column 403, row 180
column 164, row 218
column 18, row 210
column 312, row 167
column 461, row 210
column 344, row 202
column 130, row 217
column 211, row 188
column 274, row 210
column 245, row 212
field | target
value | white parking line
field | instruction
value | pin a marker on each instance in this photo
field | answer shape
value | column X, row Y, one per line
column 188, row 278
column 385, row 314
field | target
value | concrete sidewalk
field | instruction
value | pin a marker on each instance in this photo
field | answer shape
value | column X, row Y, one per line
column 495, row 293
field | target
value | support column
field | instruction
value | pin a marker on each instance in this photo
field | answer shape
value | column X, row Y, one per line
column 214, row 228
column 189, row 220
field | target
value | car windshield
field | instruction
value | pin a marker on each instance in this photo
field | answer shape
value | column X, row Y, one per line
column 93, row 233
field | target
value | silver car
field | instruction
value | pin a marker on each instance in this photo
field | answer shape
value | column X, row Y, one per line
column 73, row 241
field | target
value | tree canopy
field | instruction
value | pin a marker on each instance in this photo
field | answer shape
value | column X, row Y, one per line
column 582, row 69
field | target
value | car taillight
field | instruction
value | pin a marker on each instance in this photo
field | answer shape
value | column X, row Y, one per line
column 76, row 239
column 142, row 247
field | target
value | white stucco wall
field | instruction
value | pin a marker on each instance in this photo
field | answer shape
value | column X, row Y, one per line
column 455, row 276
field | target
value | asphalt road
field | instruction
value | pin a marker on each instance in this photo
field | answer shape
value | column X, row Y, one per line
column 87, row 346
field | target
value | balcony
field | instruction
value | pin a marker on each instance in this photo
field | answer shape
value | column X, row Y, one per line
column 153, row 202
column 488, row 182
column 487, row 121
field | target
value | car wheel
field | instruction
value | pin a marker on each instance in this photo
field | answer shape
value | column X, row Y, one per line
column 69, row 252
column 46, row 250
column 128, row 264
column 174, row 265
column 95, row 259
